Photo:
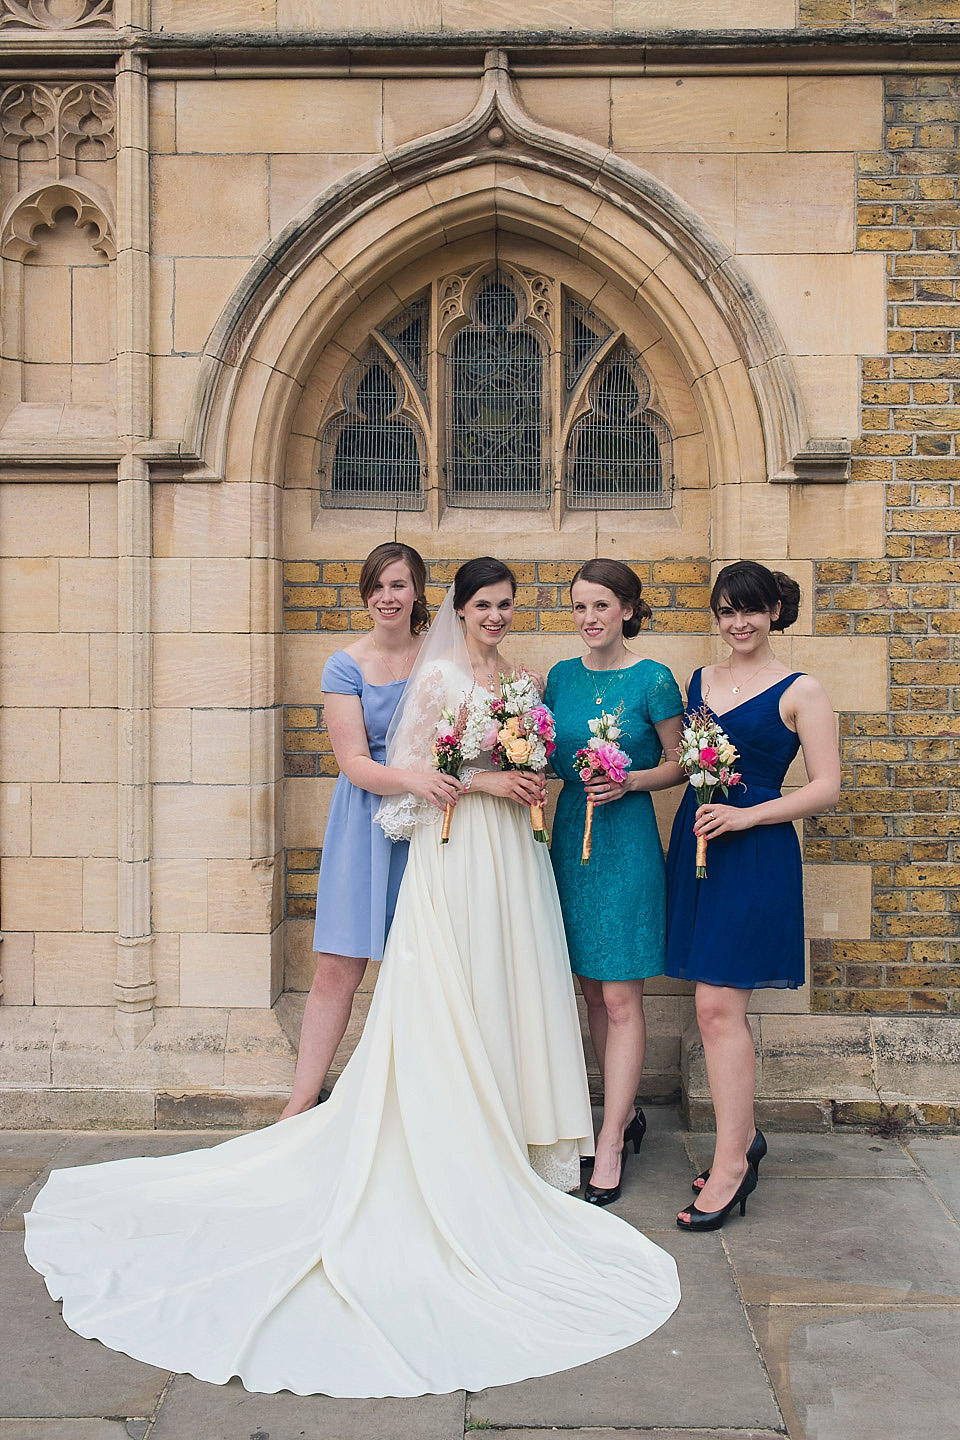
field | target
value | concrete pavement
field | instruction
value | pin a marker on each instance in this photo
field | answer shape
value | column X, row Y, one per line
column 831, row 1312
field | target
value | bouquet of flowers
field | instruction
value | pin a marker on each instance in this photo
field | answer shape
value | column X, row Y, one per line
column 600, row 758
column 706, row 754
column 525, row 731
column 459, row 738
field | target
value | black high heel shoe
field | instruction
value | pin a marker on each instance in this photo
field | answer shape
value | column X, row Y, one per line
column 636, row 1130
column 713, row 1219
column 758, row 1148
column 596, row 1195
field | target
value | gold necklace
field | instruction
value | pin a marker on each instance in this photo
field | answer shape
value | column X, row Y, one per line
column 737, row 688
column 386, row 663
column 602, row 694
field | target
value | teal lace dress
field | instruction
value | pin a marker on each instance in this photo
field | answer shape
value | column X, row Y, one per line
column 614, row 909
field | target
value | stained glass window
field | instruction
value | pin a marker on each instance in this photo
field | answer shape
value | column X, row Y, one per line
column 371, row 455
column 495, row 404
column 619, row 453
column 528, row 378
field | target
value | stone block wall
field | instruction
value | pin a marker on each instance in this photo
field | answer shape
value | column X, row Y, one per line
column 58, row 742
column 901, row 772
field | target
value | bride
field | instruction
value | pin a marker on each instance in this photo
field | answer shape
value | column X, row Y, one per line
column 396, row 1240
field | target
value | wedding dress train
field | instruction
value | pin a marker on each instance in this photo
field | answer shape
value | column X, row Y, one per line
column 395, row 1240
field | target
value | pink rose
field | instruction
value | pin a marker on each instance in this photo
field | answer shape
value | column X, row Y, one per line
column 490, row 736
column 707, row 756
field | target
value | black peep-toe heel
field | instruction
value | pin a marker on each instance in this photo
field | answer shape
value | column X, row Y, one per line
column 713, row 1219
column 758, row 1148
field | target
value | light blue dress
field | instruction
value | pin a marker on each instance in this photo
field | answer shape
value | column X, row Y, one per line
column 614, row 909
column 360, row 869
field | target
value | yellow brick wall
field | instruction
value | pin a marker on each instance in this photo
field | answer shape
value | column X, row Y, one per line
column 901, row 776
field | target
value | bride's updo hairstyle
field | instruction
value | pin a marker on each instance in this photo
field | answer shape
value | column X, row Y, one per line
column 745, row 585
column 385, row 555
column 627, row 587
column 476, row 575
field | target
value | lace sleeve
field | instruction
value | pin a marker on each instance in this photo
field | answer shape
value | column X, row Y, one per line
column 436, row 687
column 663, row 695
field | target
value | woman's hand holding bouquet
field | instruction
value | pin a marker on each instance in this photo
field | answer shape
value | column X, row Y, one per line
column 525, row 735
column 460, row 738
column 600, row 759
column 706, row 755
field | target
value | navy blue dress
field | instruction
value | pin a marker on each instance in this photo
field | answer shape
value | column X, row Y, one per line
column 360, row 869
column 743, row 925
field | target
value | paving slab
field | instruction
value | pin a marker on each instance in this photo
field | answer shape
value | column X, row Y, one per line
column 41, row 1429
column 939, row 1159
column 49, row 1372
column 94, row 1148
column 228, row 1412
column 641, row 1434
column 890, row 1233
column 820, row 1156
column 858, row 1376
column 656, row 1182
column 701, row 1369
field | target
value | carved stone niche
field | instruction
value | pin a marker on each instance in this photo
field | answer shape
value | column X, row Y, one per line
column 57, row 14
column 91, row 205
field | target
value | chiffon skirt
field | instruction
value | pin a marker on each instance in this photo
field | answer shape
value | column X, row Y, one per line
column 394, row 1240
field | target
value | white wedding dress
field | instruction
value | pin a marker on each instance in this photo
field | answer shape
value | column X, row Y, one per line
column 395, row 1240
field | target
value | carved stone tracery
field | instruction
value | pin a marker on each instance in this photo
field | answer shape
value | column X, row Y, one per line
column 61, row 118
column 57, row 14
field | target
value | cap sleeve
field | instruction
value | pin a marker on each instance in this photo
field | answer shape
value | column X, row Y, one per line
column 341, row 675
column 550, row 692
column 663, row 694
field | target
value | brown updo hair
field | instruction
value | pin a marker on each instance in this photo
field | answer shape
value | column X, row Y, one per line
column 384, row 555
column 747, row 585
column 475, row 575
column 624, row 583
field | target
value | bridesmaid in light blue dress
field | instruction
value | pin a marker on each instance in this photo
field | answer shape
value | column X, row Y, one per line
column 613, row 910
column 360, row 870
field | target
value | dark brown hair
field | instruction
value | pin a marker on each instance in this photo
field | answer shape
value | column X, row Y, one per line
column 747, row 585
column 384, row 555
column 474, row 575
column 626, row 585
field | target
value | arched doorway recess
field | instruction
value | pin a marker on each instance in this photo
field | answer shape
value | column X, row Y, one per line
column 499, row 169
column 496, row 174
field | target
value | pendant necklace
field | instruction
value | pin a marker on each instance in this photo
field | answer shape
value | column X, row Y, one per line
column 601, row 695
column 404, row 666
column 737, row 688
column 493, row 676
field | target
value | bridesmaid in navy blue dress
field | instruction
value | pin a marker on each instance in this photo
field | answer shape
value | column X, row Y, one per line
column 742, row 927
column 360, row 870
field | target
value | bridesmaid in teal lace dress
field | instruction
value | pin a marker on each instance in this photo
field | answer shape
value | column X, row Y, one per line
column 614, row 908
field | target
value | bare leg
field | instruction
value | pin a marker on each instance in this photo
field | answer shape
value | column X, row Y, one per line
column 592, row 992
column 730, row 1057
column 325, row 1019
column 622, row 1064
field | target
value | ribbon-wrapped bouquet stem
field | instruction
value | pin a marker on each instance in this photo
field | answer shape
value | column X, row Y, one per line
column 525, row 735
column 706, row 755
column 600, row 759
column 460, row 738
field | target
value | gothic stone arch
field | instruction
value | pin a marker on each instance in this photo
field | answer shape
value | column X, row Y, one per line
column 499, row 169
